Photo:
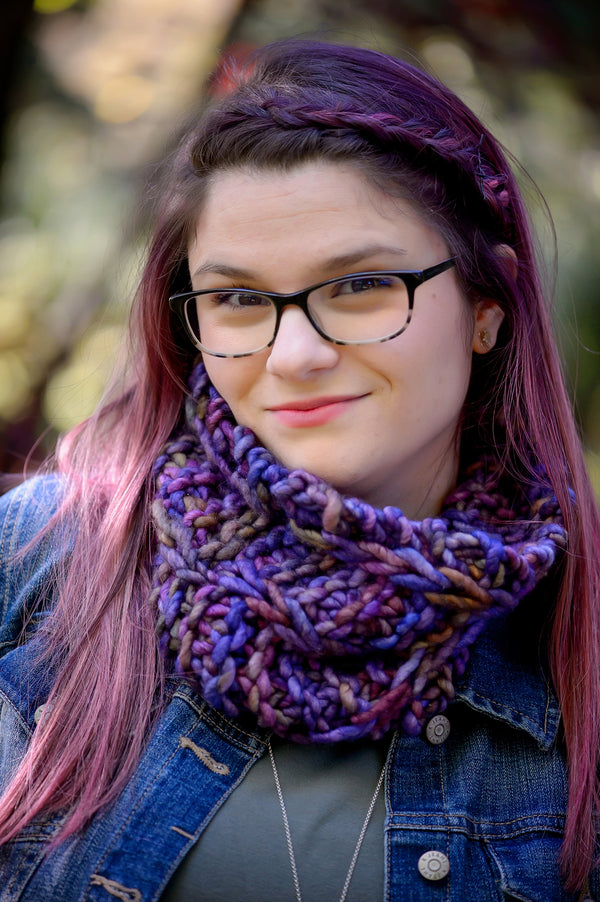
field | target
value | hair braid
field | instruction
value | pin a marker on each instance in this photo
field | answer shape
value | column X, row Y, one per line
column 412, row 140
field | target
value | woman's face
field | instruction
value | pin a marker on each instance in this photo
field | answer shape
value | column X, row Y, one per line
column 377, row 421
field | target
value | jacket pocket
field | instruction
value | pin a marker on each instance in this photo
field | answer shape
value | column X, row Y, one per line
column 527, row 867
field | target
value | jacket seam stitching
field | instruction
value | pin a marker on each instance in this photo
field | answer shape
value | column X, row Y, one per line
column 207, row 714
column 482, row 823
column 496, row 705
column 20, row 717
column 443, row 789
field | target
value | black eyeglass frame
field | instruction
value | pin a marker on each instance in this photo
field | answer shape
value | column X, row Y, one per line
column 411, row 278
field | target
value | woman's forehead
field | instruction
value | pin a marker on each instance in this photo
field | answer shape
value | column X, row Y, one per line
column 327, row 212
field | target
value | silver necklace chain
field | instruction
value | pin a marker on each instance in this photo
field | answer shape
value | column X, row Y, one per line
column 288, row 835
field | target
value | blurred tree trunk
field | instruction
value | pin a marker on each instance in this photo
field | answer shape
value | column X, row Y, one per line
column 16, row 16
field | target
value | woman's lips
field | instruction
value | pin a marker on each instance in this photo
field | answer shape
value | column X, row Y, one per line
column 313, row 411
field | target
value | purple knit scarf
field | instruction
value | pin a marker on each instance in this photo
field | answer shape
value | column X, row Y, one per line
column 326, row 618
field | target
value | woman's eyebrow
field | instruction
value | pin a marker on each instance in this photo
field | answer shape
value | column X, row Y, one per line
column 350, row 258
column 337, row 262
column 223, row 269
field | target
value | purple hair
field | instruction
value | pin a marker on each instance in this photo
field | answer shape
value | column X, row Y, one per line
column 298, row 101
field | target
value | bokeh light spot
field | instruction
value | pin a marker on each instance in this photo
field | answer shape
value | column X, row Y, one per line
column 14, row 385
column 73, row 392
column 52, row 6
column 123, row 98
column 449, row 60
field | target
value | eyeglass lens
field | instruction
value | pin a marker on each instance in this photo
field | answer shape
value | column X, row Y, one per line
column 356, row 309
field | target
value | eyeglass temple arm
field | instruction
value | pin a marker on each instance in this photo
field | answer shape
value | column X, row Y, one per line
column 437, row 269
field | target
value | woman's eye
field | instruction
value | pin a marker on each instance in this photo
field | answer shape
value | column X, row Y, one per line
column 239, row 299
column 366, row 283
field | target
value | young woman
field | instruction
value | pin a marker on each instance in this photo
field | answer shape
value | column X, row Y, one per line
column 309, row 608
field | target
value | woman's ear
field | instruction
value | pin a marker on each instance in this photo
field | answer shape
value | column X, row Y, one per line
column 488, row 318
column 488, row 315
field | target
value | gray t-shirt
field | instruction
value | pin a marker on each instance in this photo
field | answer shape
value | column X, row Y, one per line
column 242, row 855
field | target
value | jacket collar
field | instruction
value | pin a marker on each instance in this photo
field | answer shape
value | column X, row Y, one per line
column 507, row 677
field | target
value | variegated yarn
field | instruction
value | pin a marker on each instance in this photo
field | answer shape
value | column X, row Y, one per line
column 324, row 617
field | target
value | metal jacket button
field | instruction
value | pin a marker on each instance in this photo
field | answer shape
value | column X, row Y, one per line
column 433, row 865
column 437, row 729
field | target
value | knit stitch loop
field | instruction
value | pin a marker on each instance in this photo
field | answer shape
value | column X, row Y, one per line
column 324, row 618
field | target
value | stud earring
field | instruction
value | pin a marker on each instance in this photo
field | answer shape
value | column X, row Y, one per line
column 484, row 338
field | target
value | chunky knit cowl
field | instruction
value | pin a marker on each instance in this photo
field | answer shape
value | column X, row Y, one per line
column 325, row 618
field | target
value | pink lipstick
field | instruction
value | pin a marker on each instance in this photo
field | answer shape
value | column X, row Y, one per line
column 313, row 411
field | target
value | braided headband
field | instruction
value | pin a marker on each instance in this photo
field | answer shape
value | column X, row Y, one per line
column 472, row 169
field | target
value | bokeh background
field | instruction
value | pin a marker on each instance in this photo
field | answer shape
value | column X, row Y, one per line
column 93, row 92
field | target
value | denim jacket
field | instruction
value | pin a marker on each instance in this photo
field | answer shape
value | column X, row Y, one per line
column 488, row 799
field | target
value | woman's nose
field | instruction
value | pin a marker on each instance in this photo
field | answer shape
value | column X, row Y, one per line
column 298, row 350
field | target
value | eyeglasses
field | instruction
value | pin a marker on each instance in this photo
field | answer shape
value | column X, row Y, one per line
column 355, row 309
